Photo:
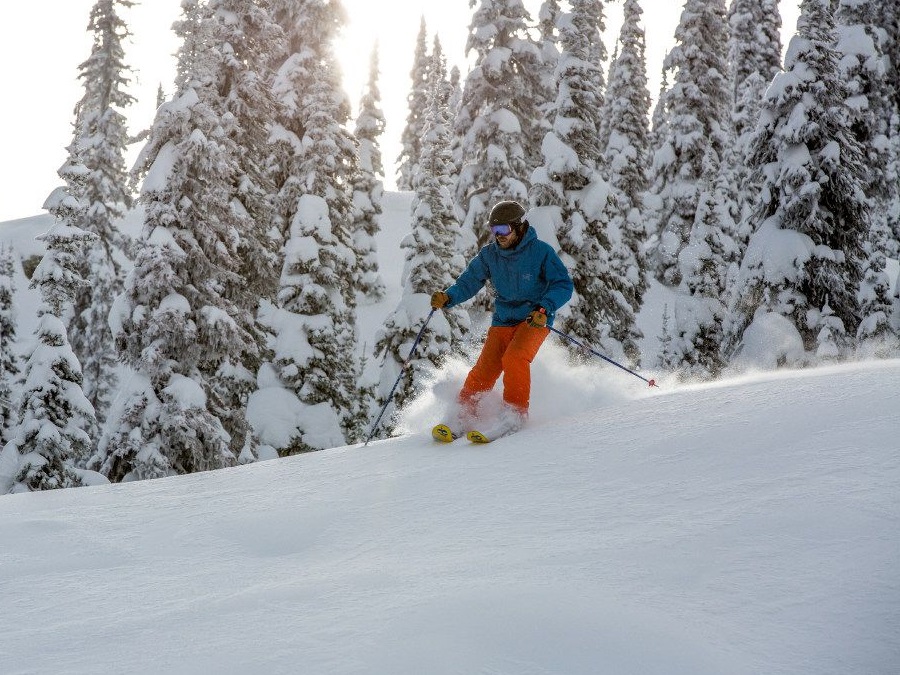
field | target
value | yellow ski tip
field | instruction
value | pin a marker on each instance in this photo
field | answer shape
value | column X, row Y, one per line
column 477, row 437
column 442, row 434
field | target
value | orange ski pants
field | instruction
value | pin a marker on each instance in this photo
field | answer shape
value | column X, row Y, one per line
column 508, row 350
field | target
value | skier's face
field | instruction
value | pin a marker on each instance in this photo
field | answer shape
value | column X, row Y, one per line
column 508, row 241
column 505, row 235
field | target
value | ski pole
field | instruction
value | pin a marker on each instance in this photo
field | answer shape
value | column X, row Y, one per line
column 652, row 383
column 397, row 381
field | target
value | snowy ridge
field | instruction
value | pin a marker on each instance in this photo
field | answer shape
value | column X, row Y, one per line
column 745, row 526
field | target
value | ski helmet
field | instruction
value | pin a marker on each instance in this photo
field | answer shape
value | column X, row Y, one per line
column 506, row 212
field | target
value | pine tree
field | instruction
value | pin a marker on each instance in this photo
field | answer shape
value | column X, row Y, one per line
column 669, row 357
column 877, row 335
column 368, row 187
column 186, row 322
column 316, row 350
column 455, row 97
column 704, row 264
column 598, row 304
column 497, row 114
column 891, row 26
column 432, row 261
column 9, row 360
column 456, row 141
column 892, row 173
column 862, row 63
column 548, row 18
column 625, row 160
column 411, row 138
column 572, row 152
column 69, row 207
column 244, row 76
column 548, row 42
column 659, row 118
column 812, row 202
column 603, row 128
column 571, row 172
column 890, row 22
column 100, row 185
column 55, row 417
column 861, row 44
column 697, row 116
column 754, row 49
column 754, row 52
column 101, row 139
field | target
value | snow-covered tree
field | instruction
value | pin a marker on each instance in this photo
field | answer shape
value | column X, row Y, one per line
column 570, row 178
column 315, row 321
column 548, row 16
column 697, row 116
column 669, row 355
column 455, row 110
column 316, row 349
column 571, row 150
column 97, row 179
column 411, row 138
column 432, row 261
column 704, row 267
column 100, row 130
column 754, row 49
column 863, row 67
column 318, row 155
column 599, row 306
column 55, row 418
column 891, row 26
column 9, row 360
column 890, row 22
column 892, row 208
column 754, row 53
column 186, row 322
column 659, row 118
column 548, row 41
column 498, row 113
column 455, row 98
column 627, row 106
column 877, row 334
column 368, row 187
column 248, row 46
column 68, row 208
column 807, row 252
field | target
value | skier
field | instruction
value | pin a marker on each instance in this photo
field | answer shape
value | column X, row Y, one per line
column 531, row 283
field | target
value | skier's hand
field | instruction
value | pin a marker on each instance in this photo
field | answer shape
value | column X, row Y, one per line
column 439, row 299
column 538, row 318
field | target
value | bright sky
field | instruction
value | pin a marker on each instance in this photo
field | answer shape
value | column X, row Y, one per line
column 42, row 42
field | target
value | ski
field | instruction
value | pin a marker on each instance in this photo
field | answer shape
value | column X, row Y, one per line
column 442, row 434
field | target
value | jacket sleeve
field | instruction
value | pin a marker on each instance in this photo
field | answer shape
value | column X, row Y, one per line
column 559, row 283
column 469, row 282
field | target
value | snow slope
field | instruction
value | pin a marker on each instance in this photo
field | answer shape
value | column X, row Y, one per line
column 749, row 526
column 746, row 526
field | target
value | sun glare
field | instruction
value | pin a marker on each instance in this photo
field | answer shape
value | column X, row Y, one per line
column 394, row 27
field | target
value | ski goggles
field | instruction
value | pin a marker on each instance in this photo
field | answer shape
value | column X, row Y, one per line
column 502, row 229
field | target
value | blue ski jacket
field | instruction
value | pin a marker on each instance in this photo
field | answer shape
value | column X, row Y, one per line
column 528, row 276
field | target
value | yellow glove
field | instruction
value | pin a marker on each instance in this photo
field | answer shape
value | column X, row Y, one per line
column 538, row 318
column 439, row 299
